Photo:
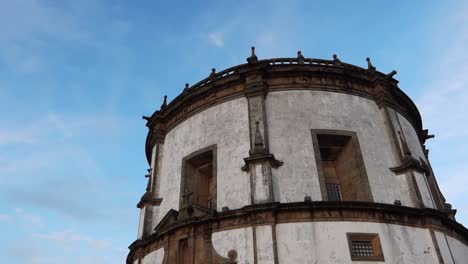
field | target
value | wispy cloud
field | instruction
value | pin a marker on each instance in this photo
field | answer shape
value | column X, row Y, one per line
column 70, row 240
column 30, row 219
column 216, row 38
column 443, row 106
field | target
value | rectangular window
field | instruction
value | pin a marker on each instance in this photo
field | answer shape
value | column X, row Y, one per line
column 365, row 247
column 199, row 180
column 333, row 192
column 340, row 165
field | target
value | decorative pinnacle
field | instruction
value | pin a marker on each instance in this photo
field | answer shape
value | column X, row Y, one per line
column 300, row 57
column 253, row 58
column 213, row 74
column 391, row 74
column 258, row 142
column 370, row 67
column 336, row 61
column 147, row 118
column 164, row 104
column 186, row 88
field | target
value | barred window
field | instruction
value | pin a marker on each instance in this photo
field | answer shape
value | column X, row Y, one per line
column 365, row 247
column 340, row 166
column 362, row 248
column 333, row 192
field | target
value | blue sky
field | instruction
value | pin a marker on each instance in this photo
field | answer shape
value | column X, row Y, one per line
column 76, row 77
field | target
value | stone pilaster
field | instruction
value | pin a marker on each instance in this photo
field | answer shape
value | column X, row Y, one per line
column 260, row 160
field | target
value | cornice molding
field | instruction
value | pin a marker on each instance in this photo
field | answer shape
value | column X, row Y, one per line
column 278, row 213
column 146, row 199
column 310, row 74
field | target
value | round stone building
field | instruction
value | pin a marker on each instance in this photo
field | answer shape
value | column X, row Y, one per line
column 293, row 160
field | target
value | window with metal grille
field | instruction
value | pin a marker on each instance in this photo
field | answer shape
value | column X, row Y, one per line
column 362, row 248
column 365, row 247
column 333, row 192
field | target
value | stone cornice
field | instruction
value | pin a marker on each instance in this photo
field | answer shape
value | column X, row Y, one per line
column 281, row 74
column 277, row 213
column 147, row 199
column 410, row 164
column 259, row 158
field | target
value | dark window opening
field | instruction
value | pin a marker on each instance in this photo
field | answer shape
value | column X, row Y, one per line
column 341, row 168
column 199, row 180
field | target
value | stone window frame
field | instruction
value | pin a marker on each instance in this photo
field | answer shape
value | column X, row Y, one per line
column 373, row 238
column 211, row 148
column 318, row 159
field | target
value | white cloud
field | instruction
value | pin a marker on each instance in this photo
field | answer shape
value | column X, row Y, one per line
column 30, row 219
column 5, row 217
column 443, row 106
column 70, row 240
column 217, row 39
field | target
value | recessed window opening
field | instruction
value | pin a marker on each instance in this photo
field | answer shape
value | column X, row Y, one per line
column 200, row 180
column 341, row 167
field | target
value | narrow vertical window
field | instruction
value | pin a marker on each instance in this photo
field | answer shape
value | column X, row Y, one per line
column 340, row 165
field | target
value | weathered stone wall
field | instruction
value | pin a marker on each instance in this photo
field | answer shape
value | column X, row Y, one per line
column 291, row 116
column 226, row 126
column 326, row 242
column 240, row 240
column 155, row 257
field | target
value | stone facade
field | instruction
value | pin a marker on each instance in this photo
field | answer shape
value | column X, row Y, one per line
column 293, row 160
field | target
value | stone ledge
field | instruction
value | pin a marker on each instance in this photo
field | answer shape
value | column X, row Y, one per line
column 277, row 213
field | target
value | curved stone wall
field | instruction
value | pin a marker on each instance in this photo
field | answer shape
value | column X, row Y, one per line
column 237, row 176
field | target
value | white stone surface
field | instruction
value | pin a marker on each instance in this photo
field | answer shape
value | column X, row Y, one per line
column 260, row 184
column 225, row 125
column 140, row 224
column 291, row 116
column 411, row 138
column 265, row 253
column 424, row 190
column 444, row 248
column 326, row 242
column 240, row 240
column 155, row 257
column 458, row 249
column 153, row 163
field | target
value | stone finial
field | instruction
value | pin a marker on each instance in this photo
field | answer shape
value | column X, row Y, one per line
column 391, row 74
column 164, row 104
column 213, row 75
column 258, row 141
column 147, row 118
column 300, row 57
column 370, row 67
column 336, row 61
column 186, row 88
column 397, row 202
column 253, row 58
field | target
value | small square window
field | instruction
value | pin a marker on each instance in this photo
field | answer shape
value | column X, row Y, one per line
column 365, row 247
